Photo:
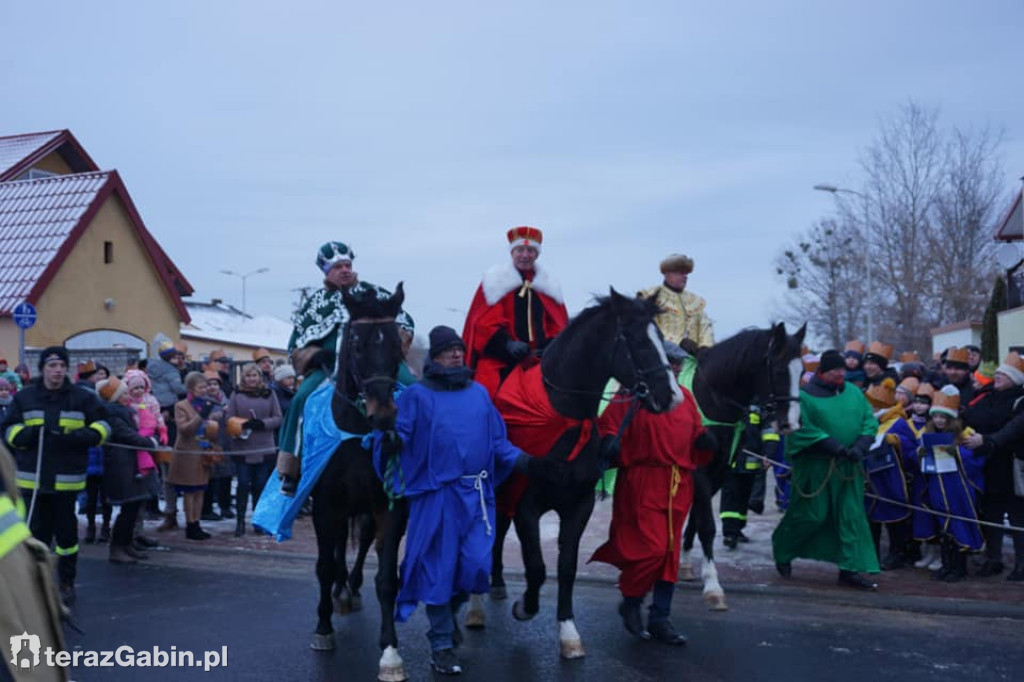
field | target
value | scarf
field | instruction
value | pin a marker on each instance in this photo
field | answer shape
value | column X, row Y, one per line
column 441, row 378
column 201, row 405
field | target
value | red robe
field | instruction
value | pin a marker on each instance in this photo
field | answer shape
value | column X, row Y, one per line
column 493, row 309
column 653, row 493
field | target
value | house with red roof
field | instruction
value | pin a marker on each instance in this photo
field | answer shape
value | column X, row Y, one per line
column 73, row 243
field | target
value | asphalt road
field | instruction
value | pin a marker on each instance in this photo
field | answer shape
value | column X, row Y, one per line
column 262, row 609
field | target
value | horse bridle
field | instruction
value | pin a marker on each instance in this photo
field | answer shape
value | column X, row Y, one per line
column 771, row 404
column 346, row 351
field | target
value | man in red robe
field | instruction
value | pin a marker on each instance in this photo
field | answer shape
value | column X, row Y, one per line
column 516, row 311
column 653, row 494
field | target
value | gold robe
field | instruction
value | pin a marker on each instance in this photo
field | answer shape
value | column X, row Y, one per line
column 683, row 317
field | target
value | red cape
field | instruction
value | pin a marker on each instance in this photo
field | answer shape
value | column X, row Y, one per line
column 485, row 319
column 653, row 492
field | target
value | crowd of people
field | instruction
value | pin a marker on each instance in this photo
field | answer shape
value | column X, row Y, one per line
column 913, row 451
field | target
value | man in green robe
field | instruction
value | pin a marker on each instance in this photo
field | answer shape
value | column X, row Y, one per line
column 319, row 326
column 826, row 519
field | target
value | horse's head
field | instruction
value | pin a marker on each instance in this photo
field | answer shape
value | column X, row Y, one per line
column 372, row 353
column 638, row 354
column 779, row 385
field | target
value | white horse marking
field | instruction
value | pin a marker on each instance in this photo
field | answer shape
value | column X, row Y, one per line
column 677, row 394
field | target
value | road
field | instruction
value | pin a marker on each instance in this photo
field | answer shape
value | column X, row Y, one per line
column 262, row 609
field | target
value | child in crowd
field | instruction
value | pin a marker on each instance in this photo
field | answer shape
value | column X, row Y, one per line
column 147, row 411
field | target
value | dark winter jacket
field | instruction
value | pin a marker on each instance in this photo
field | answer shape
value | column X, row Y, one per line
column 121, row 480
column 166, row 382
column 999, row 417
column 69, row 419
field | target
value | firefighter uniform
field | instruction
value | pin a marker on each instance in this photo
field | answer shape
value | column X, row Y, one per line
column 742, row 474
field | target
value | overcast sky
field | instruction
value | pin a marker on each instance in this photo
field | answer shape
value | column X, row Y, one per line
column 248, row 133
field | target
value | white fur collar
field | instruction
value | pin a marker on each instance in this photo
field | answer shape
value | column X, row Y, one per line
column 501, row 279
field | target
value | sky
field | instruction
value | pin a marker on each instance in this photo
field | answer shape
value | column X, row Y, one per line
column 249, row 133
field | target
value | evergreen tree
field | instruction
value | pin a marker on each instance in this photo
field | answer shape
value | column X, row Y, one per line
column 990, row 323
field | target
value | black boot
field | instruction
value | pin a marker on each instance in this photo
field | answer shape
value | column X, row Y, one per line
column 104, row 532
column 947, row 562
column 632, row 619
column 242, row 502
column 289, row 486
column 90, row 533
column 854, row 579
column 990, row 568
column 194, row 532
column 958, row 570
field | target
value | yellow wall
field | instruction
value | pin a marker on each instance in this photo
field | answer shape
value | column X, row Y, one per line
column 53, row 163
column 9, row 341
column 74, row 301
column 1011, row 330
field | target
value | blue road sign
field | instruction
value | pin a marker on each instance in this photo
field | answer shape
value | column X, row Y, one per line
column 25, row 315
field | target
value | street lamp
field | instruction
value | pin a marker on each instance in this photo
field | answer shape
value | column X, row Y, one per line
column 834, row 190
column 244, row 277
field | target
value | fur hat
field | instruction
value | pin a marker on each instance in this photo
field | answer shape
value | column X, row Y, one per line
column 443, row 338
column 111, row 389
column 259, row 354
column 525, row 236
column 879, row 353
column 830, row 360
column 957, row 356
column 856, row 347
column 282, row 372
column 53, row 353
column 332, row 253
column 882, row 395
column 1013, row 367
column 677, row 262
column 946, row 401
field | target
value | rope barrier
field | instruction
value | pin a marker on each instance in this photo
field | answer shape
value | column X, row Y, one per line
column 173, row 451
column 955, row 517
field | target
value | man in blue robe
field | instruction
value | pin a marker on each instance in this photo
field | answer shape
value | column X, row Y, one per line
column 454, row 452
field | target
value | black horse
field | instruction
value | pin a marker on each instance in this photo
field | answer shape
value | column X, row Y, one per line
column 348, row 494
column 616, row 338
column 756, row 366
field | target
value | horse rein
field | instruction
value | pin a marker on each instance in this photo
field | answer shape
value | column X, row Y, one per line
column 360, row 382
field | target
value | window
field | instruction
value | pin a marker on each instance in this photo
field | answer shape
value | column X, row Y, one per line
column 36, row 174
column 108, row 252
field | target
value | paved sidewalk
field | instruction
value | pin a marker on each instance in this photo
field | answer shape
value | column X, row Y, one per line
column 748, row 569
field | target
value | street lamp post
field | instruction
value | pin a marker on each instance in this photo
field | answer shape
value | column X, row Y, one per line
column 243, row 278
column 834, row 190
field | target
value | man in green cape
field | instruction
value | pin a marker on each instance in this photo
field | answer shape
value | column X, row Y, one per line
column 826, row 519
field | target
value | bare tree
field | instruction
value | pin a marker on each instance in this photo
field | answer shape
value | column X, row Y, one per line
column 823, row 271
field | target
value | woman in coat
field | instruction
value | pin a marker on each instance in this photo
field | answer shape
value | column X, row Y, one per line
column 190, row 472
column 129, row 478
column 254, row 402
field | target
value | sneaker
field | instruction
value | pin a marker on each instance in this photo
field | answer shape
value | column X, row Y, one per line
column 445, row 662
column 856, row 580
column 663, row 631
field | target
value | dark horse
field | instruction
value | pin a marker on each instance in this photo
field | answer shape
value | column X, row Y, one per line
column 756, row 366
column 348, row 492
column 616, row 338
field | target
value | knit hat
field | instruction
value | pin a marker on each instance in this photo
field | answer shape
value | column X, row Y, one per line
column 1013, row 367
column 854, row 349
column 673, row 351
column 53, row 353
column 111, row 389
column 525, row 236
column 167, row 349
column 958, row 357
column 442, row 338
column 332, row 253
column 134, row 378
column 882, row 394
column 259, row 354
column 879, row 353
column 830, row 360
column 677, row 262
column 946, row 401
column 282, row 372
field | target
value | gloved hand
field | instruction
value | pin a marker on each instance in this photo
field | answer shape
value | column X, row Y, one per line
column 390, row 443
column 27, row 438
column 859, row 450
column 548, row 469
column 517, row 349
column 255, row 424
column 84, row 437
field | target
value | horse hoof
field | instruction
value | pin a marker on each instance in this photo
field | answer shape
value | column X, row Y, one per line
column 475, row 619
column 356, row 603
column 520, row 613
column 499, row 593
column 716, row 602
column 392, row 667
column 323, row 642
column 572, row 649
column 687, row 574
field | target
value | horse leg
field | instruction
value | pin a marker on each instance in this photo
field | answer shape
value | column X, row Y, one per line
column 366, row 532
column 498, row 590
column 686, row 572
column 390, row 528
column 714, row 597
column 342, row 593
column 527, row 520
column 572, row 523
column 326, row 527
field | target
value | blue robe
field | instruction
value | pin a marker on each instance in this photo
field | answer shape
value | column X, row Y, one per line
column 889, row 467
column 454, row 452
column 953, row 492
